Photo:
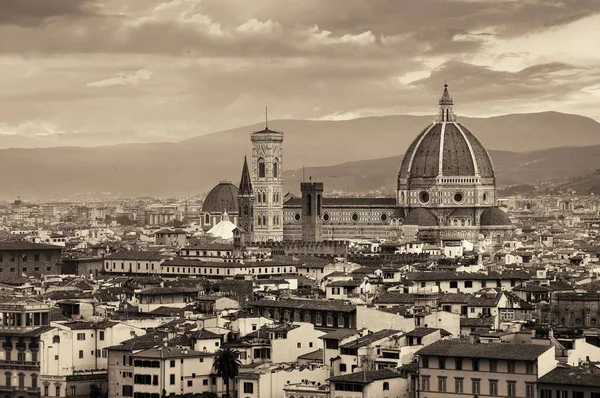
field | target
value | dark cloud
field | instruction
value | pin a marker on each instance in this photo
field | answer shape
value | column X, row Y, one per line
column 34, row 12
column 550, row 81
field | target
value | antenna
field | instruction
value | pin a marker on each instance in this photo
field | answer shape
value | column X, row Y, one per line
column 303, row 171
column 266, row 119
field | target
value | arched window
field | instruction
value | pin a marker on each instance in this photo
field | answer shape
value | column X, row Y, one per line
column 262, row 171
column 21, row 380
column 386, row 386
column 264, row 197
column 318, row 205
column 55, row 339
column 309, row 205
column 275, row 169
column 259, row 197
column 265, row 221
column 34, row 380
column 8, row 381
column 274, row 220
column 245, row 210
column 207, row 219
column 259, row 220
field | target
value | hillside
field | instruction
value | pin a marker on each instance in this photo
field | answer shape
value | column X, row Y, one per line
column 511, row 169
column 196, row 165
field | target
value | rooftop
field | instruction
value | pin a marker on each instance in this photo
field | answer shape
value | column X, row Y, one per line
column 460, row 348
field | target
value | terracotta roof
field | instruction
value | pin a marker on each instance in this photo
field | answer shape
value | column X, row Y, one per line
column 421, row 217
column 366, row 377
column 325, row 305
column 494, row 216
column 370, row 338
column 465, row 349
column 571, row 376
column 25, row 245
column 476, row 322
column 136, row 255
column 347, row 202
column 339, row 334
column 313, row 356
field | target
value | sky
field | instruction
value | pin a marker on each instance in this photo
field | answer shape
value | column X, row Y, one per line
column 97, row 72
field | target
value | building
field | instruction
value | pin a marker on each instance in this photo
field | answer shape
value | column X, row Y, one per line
column 373, row 383
column 171, row 237
column 466, row 369
column 165, row 371
column 134, row 262
column 22, row 257
column 446, row 193
column 22, row 321
column 575, row 309
column 75, row 357
column 223, row 198
column 570, row 382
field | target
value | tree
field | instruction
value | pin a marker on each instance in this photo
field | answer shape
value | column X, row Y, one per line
column 227, row 365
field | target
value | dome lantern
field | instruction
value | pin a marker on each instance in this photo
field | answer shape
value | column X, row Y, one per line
column 446, row 114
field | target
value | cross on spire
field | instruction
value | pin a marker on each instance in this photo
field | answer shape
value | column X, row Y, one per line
column 446, row 113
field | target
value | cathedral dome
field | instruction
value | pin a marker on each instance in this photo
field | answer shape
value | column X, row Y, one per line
column 446, row 148
column 222, row 198
column 494, row 217
column 421, row 217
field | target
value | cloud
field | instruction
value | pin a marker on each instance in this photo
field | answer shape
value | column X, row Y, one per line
column 35, row 12
column 123, row 79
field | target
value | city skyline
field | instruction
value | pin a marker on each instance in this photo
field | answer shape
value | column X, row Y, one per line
column 106, row 72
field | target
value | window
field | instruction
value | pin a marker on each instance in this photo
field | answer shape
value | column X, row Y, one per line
column 458, row 385
column 529, row 390
column 468, row 284
column 47, row 390
column 529, row 368
column 475, row 386
column 58, row 391
column 172, row 379
column 248, row 388
column 80, row 354
column 275, row 169
column 342, row 367
column 55, row 339
column 386, row 386
column 299, row 345
column 80, row 336
column 511, row 388
column 476, row 365
column 493, row 387
column 441, row 384
column 204, row 382
column 425, row 362
column 493, row 365
column 545, row 393
column 511, row 366
column 101, row 335
column 73, row 393
column 578, row 394
column 425, row 383
column 458, row 364
column 453, row 284
column 262, row 171
column 310, row 344
column 190, row 383
column 442, row 362
column 172, row 364
column 127, row 391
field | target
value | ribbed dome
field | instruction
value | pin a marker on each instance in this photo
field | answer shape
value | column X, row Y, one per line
column 494, row 217
column 223, row 197
column 452, row 144
column 421, row 217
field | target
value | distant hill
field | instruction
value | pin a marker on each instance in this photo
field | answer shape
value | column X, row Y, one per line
column 511, row 169
column 196, row 165
column 585, row 184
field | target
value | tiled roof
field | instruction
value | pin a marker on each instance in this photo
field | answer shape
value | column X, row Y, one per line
column 169, row 352
column 395, row 298
column 80, row 325
column 366, row 377
column 324, row 305
column 476, row 322
column 339, row 334
column 204, row 334
column 154, row 291
column 465, row 349
column 422, row 332
column 25, row 245
column 370, row 338
column 313, row 356
column 572, row 377
column 136, row 255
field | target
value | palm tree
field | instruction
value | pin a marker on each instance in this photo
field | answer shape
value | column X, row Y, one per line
column 227, row 365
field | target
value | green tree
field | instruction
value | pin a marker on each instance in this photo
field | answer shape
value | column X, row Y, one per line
column 227, row 365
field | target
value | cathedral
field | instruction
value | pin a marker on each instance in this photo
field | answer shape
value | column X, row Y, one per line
column 446, row 193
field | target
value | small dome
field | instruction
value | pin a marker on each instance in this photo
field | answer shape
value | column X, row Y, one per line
column 222, row 198
column 494, row 217
column 421, row 217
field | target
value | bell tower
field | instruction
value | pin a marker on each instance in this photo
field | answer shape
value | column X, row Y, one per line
column 312, row 224
column 267, row 181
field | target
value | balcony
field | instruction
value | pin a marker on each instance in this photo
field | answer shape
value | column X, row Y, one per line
column 19, row 364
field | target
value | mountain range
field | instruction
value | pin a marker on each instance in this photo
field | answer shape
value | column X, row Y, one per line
column 352, row 155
